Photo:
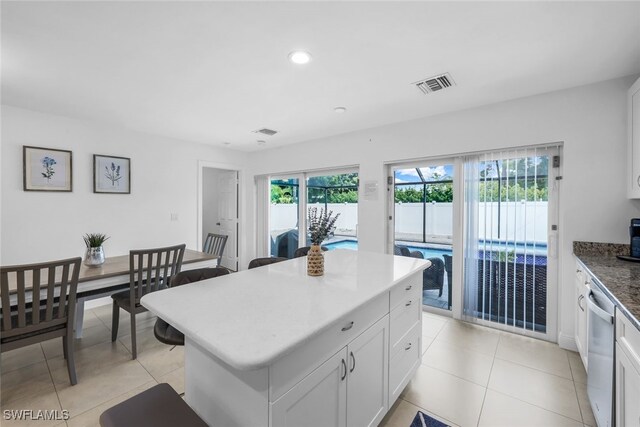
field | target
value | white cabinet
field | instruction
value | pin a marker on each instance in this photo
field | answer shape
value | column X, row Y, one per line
column 633, row 123
column 357, row 374
column 627, row 390
column 580, row 308
column 627, row 372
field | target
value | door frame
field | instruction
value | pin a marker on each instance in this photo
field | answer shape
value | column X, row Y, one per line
column 456, row 241
column 241, row 247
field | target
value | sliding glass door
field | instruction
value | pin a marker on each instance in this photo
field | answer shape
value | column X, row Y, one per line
column 423, row 214
column 292, row 195
column 510, row 254
column 284, row 215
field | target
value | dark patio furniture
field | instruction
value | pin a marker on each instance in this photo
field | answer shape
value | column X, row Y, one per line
column 303, row 251
column 285, row 244
column 448, row 266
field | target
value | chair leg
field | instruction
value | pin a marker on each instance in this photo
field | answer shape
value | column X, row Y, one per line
column 115, row 321
column 440, row 294
column 65, row 353
column 71, row 364
column 134, row 352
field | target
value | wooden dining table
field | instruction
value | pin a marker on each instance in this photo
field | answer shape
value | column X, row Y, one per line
column 113, row 276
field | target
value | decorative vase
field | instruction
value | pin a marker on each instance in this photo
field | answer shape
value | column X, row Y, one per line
column 94, row 257
column 315, row 261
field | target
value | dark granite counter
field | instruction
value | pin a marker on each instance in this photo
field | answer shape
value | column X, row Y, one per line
column 619, row 279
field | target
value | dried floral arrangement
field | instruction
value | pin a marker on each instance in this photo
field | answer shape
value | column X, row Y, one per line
column 320, row 225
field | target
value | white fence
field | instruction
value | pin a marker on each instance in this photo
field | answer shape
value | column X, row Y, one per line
column 522, row 221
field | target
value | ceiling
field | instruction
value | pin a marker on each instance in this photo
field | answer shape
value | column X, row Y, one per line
column 214, row 72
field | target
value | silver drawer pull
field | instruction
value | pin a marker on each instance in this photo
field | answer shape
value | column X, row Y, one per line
column 408, row 346
column 408, row 303
column 349, row 326
column 408, row 288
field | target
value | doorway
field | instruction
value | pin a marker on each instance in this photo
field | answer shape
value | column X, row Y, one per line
column 219, row 210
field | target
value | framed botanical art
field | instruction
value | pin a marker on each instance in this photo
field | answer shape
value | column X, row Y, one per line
column 111, row 174
column 46, row 169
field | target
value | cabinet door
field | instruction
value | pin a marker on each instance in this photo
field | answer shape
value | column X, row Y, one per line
column 634, row 140
column 627, row 391
column 367, row 383
column 318, row 400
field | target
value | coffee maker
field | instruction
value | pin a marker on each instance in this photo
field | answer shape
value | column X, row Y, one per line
column 634, row 234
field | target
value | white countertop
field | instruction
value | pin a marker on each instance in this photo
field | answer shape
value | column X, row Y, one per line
column 251, row 318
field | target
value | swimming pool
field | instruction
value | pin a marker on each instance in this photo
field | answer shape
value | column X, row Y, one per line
column 538, row 249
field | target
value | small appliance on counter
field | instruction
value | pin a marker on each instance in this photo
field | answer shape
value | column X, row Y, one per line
column 634, row 243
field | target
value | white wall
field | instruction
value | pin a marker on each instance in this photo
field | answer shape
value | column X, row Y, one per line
column 42, row 226
column 590, row 120
column 209, row 201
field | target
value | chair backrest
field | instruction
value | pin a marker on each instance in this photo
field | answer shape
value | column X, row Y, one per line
column 214, row 244
column 195, row 275
column 303, row 251
column 434, row 275
column 151, row 269
column 401, row 250
column 448, row 266
column 51, row 286
column 259, row 262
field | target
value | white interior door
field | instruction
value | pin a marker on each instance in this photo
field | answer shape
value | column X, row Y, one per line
column 227, row 222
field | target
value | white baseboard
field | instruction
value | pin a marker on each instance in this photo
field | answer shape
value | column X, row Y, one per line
column 567, row 342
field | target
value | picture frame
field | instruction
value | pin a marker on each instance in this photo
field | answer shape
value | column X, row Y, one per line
column 111, row 174
column 47, row 169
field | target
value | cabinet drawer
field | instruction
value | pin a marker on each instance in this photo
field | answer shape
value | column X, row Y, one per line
column 293, row 367
column 408, row 288
column 402, row 319
column 404, row 361
column 628, row 337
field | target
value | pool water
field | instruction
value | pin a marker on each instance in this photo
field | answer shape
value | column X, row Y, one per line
column 540, row 250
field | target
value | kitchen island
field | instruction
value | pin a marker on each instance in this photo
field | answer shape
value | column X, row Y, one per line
column 274, row 347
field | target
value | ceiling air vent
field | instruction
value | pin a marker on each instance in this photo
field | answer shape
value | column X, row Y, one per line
column 434, row 84
column 266, row 131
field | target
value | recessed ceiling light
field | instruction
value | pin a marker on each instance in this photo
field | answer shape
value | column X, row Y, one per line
column 226, row 143
column 261, row 142
column 300, row 57
column 340, row 110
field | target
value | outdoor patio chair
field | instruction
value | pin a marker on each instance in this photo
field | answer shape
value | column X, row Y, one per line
column 433, row 277
column 55, row 284
column 164, row 332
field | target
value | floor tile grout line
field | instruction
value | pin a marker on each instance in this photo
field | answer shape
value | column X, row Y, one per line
column 538, row 406
column 535, row 369
column 55, row 388
column 486, row 390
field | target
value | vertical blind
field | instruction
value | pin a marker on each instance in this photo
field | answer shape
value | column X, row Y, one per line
column 506, row 236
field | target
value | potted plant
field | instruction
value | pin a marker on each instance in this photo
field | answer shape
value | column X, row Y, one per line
column 95, row 253
column 319, row 228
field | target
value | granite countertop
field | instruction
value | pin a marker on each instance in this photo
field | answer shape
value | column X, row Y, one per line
column 619, row 279
column 251, row 318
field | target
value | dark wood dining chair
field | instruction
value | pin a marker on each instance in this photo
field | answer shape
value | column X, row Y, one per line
column 149, row 271
column 259, row 262
column 164, row 332
column 45, row 305
column 214, row 244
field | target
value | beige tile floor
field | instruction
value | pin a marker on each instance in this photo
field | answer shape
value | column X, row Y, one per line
column 470, row 376
column 475, row 376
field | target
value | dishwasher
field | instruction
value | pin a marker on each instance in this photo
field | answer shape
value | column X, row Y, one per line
column 600, row 375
